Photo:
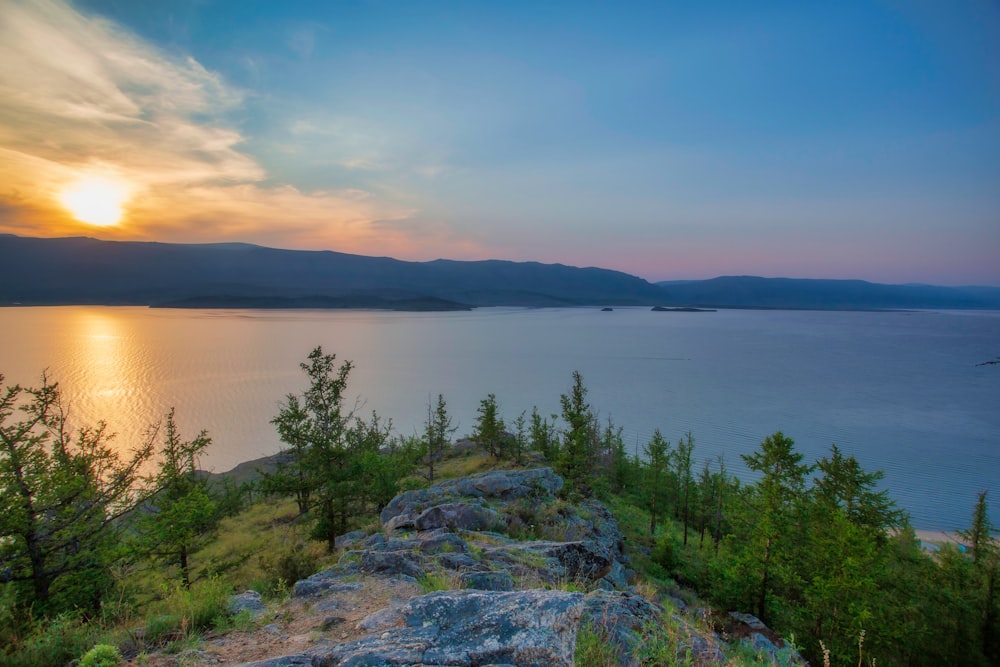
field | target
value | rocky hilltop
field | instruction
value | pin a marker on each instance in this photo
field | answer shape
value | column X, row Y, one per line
column 523, row 577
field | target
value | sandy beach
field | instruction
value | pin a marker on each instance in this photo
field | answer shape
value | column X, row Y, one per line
column 939, row 537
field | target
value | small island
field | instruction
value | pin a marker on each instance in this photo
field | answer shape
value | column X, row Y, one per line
column 681, row 309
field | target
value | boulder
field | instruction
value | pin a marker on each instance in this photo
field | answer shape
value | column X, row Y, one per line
column 330, row 580
column 502, row 485
column 488, row 581
column 457, row 516
column 391, row 563
column 620, row 618
column 465, row 628
column 249, row 601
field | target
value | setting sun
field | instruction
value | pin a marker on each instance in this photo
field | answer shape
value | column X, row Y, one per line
column 96, row 200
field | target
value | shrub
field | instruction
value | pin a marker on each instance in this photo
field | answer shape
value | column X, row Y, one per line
column 55, row 641
column 184, row 611
column 102, row 655
column 592, row 650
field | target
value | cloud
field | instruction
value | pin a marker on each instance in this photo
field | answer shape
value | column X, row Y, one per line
column 80, row 95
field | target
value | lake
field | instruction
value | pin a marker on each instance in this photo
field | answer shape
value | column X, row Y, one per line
column 900, row 390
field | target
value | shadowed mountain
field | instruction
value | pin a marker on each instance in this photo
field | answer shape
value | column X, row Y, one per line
column 790, row 293
column 88, row 271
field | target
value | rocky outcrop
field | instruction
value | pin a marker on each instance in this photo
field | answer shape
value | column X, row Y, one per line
column 525, row 573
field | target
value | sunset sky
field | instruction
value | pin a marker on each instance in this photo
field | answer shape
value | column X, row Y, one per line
column 666, row 139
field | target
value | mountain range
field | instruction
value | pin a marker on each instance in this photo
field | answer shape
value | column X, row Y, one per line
column 78, row 270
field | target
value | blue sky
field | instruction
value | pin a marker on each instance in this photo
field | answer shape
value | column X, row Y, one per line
column 666, row 139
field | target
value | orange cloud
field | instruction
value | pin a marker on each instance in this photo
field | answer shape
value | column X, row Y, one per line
column 80, row 95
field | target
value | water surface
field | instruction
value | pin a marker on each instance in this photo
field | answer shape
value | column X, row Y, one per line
column 899, row 390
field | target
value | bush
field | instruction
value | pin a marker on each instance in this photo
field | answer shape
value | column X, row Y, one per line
column 592, row 650
column 102, row 655
column 665, row 553
column 55, row 641
column 184, row 611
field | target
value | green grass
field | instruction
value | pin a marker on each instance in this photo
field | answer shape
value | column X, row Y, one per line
column 430, row 583
column 265, row 548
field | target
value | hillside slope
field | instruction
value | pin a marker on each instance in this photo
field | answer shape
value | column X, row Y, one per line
column 793, row 293
column 89, row 271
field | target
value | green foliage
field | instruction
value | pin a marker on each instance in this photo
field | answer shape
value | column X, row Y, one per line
column 102, row 655
column 657, row 480
column 182, row 512
column 57, row 640
column 687, row 491
column 490, row 431
column 430, row 583
column 185, row 612
column 575, row 461
column 667, row 552
column 519, row 441
column 542, row 435
column 291, row 562
column 333, row 468
column 593, row 650
column 62, row 496
column 437, row 431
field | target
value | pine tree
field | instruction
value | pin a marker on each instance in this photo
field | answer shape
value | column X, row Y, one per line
column 541, row 433
column 771, row 506
column 576, row 457
column 685, row 481
column 490, row 430
column 657, row 471
column 182, row 512
column 322, row 472
column 61, row 498
column 985, row 590
column 437, row 430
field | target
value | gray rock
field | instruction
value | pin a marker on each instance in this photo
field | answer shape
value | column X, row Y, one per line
column 332, row 622
column 442, row 542
column 283, row 661
column 464, row 628
column 505, row 485
column 488, row 581
column 247, row 600
column 350, row 539
column 458, row 562
column 620, row 617
column 457, row 515
column 391, row 563
column 325, row 581
column 331, row 605
column 749, row 620
column 383, row 619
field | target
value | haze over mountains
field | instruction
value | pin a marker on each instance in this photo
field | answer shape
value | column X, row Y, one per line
column 36, row 271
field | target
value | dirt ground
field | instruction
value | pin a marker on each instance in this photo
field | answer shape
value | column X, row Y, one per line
column 292, row 627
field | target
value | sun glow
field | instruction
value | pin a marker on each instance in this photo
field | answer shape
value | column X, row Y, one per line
column 96, row 200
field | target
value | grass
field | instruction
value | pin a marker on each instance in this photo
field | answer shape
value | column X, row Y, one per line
column 265, row 548
column 466, row 464
column 429, row 583
column 592, row 650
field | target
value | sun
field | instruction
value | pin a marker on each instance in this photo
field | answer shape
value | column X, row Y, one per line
column 96, row 200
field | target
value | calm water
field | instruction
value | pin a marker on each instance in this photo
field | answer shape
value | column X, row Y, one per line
column 901, row 391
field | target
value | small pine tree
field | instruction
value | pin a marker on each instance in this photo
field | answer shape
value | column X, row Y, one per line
column 182, row 512
column 576, row 457
column 437, row 431
column 490, row 430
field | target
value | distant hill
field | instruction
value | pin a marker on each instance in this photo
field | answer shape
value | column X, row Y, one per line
column 792, row 293
column 35, row 271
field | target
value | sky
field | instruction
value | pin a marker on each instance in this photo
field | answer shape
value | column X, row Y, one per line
column 670, row 140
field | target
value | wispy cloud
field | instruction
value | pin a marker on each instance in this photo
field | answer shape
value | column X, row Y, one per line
column 79, row 94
